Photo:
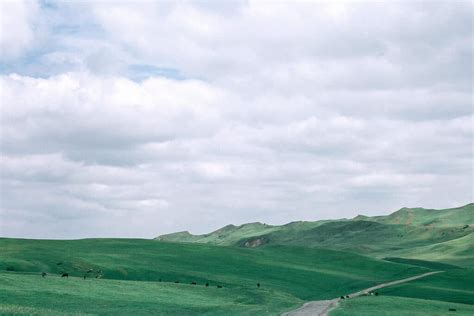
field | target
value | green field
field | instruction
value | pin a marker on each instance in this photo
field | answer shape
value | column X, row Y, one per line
column 303, row 272
column 30, row 294
column 294, row 263
column 288, row 275
column 398, row 306
column 433, row 295
column 450, row 286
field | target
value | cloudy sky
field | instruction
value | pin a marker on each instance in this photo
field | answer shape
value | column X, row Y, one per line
column 137, row 119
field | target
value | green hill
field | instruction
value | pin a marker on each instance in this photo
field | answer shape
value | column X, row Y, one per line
column 452, row 217
column 454, row 285
column 140, row 275
column 225, row 236
column 459, row 251
column 303, row 272
column 444, row 234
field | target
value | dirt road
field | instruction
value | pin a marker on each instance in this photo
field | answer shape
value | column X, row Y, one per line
column 322, row 308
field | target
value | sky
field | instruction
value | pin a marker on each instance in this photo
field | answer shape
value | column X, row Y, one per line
column 135, row 119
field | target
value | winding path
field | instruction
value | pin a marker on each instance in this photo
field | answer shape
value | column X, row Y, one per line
column 322, row 308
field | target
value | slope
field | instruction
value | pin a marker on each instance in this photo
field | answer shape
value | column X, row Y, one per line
column 30, row 294
column 300, row 272
column 399, row 306
column 409, row 232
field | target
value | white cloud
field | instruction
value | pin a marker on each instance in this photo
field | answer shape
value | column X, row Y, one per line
column 18, row 27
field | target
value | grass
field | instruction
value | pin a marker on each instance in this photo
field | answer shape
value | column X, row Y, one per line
column 432, row 295
column 302, row 272
column 226, row 236
column 398, row 306
column 438, row 266
column 452, row 217
column 30, row 294
column 431, row 235
column 459, row 251
column 133, row 269
column 455, row 285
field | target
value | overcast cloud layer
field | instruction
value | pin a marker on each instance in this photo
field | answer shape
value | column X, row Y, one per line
column 138, row 119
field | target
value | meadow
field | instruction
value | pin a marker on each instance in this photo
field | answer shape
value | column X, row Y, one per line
column 455, row 285
column 140, row 275
column 433, row 295
column 399, row 306
column 32, row 294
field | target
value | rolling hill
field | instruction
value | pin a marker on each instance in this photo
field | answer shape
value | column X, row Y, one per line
column 409, row 232
column 141, row 274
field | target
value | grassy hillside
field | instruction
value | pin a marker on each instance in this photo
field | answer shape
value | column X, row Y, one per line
column 433, row 295
column 398, row 306
column 455, row 285
column 30, row 294
column 453, row 217
column 459, row 251
column 146, row 272
column 444, row 235
column 226, row 236
column 433, row 265
column 302, row 272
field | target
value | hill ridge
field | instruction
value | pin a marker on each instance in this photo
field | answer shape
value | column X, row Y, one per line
column 357, row 217
column 400, row 233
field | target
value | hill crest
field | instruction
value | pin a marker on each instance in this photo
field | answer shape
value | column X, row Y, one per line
column 400, row 233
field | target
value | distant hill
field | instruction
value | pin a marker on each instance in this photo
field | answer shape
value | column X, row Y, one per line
column 445, row 235
column 452, row 217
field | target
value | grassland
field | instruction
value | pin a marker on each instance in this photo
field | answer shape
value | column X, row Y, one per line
column 458, row 251
column 417, row 233
column 302, row 272
column 293, row 263
column 141, row 274
column 453, row 217
column 30, row 294
column 433, row 295
column 399, row 306
column 455, row 285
